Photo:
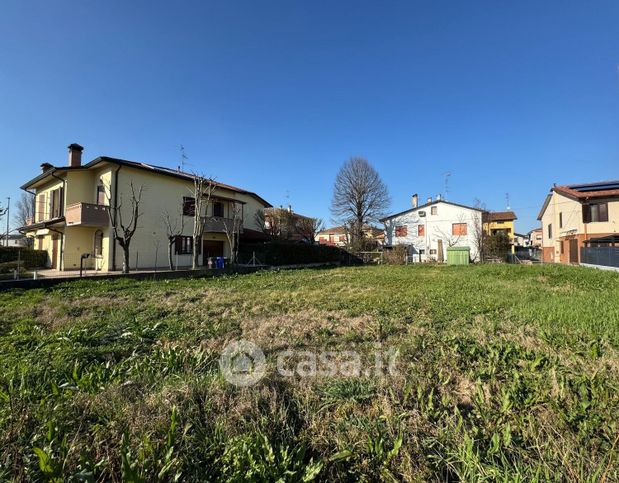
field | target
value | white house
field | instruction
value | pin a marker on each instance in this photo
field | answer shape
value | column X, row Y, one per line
column 428, row 230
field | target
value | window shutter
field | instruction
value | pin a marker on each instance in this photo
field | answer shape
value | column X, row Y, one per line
column 586, row 214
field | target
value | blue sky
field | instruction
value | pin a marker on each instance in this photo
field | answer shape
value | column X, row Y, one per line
column 509, row 97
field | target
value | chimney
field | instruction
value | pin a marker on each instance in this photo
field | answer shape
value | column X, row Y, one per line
column 415, row 200
column 438, row 197
column 429, row 199
column 75, row 155
column 46, row 167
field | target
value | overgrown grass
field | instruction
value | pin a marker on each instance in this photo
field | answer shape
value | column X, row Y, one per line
column 503, row 373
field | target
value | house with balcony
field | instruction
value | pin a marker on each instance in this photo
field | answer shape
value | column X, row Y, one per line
column 73, row 203
column 574, row 215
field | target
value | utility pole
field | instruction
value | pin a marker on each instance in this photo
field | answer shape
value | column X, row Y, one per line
column 8, row 218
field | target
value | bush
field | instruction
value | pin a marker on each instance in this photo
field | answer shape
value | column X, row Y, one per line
column 28, row 257
column 395, row 255
column 288, row 253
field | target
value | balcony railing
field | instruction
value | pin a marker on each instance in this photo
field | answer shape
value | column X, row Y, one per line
column 217, row 224
column 86, row 214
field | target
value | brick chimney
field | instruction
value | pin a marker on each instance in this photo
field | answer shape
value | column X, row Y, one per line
column 75, row 155
column 415, row 200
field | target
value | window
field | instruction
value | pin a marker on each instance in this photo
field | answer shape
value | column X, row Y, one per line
column 459, row 229
column 218, row 209
column 562, row 248
column 422, row 252
column 595, row 212
column 432, row 251
column 55, row 203
column 434, row 210
column 401, row 230
column 189, row 206
column 421, row 230
column 549, row 231
column 561, row 221
column 98, row 248
column 342, row 238
column 183, row 245
column 101, row 198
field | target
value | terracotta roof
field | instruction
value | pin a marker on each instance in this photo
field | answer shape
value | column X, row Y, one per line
column 340, row 230
column 500, row 216
column 600, row 189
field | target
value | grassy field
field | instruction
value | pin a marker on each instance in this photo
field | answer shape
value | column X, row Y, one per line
column 502, row 373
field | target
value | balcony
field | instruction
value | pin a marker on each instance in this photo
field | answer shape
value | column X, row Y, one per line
column 86, row 214
column 217, row 224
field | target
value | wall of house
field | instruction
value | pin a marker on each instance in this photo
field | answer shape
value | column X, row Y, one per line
column 163, row 194
column 436, row 227
column 572, row 226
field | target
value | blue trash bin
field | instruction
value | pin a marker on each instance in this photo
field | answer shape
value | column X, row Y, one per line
column 220, row 262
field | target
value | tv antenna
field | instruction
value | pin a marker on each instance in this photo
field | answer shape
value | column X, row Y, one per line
column 184, row 158
column 447, row 175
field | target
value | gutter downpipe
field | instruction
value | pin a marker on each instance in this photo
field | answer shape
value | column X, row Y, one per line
column 62, row 235
column 115, row 207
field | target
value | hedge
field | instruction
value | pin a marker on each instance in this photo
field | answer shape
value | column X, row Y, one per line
column 28, row 257
column 289, row 253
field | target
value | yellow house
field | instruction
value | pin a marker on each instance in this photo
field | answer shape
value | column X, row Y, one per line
column 500, row 222
column 72, row 205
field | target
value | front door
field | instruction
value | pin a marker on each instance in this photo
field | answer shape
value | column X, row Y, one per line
column 211, row 248
column 55, row 251
column 574, row 250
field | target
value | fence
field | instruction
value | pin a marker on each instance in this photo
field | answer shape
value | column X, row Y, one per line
column 605, row 256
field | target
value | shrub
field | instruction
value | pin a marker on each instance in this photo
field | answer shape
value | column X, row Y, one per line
column 289, row 253
column 395, row 255
column 28, row 257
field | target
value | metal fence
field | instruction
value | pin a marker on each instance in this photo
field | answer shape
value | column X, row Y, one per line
column 606, row 256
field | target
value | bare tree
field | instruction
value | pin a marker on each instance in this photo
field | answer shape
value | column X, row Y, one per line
column 203, row 189
column 123, row 232
column 479, row 236
column 174, row 226
column 359, row 196
column 232, row 227
column 25, row 209
column 308, row 228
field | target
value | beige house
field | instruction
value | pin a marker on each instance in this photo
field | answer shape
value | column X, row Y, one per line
column 283, row 223
column 535, row 238
column 72, row 219
column 573, row 214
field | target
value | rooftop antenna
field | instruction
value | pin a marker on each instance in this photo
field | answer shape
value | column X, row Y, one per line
column 183, row 158
column 507, row 200
column 447, row 175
